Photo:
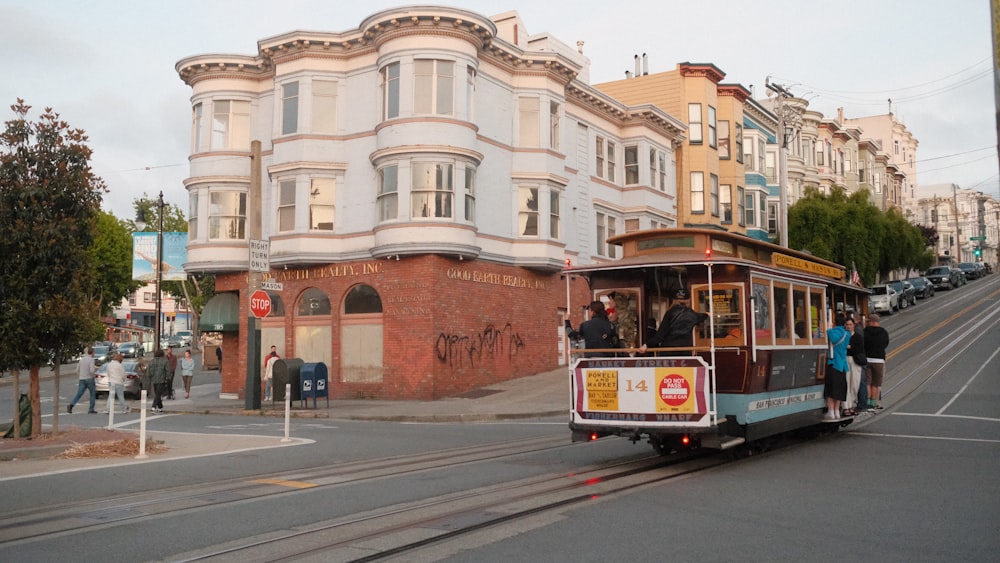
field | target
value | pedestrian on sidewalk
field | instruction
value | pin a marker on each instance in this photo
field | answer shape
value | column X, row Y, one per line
column 85, row 371
column 218, row 355
column 268, row 371
column 116, row 384
column 171, row 370
column 159, row 378
column 187, row 372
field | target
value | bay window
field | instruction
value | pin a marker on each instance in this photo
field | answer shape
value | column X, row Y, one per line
column 432, row 188
column 227, row 215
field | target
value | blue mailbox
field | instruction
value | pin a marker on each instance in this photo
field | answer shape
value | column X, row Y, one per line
column 314, row 379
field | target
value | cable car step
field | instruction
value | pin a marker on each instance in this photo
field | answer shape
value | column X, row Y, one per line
column 722, row 442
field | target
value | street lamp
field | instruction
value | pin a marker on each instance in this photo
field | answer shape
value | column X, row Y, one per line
column 140, row 223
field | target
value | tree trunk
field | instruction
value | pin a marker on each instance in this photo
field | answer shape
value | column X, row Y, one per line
column 55, row 397
column 36, row 404
column 16, row 373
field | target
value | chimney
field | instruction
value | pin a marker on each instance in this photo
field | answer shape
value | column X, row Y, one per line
column 628, row 74
column 579, row 47
column 637, row 65
column 840, row 116
column 645, row 65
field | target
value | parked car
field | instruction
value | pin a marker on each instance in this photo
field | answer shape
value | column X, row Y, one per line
column 133, row 380
column 103, row 354
column 131, row 349
column 884, row 299
column 907, row 295
column 175, row 341
column 970, row 270
column 186, row 337
column 922, row 286
column 943, row 278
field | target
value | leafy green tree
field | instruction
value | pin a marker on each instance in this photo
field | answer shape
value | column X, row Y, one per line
column 112, row 255
column 197, row 289
column 849, row 230
column 49, row 202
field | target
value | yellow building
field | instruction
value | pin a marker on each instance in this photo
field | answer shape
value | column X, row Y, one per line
column 710, row 171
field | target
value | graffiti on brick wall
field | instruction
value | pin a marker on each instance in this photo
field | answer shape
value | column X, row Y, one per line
column 458, row 350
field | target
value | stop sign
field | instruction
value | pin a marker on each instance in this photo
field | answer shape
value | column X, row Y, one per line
column 260, row 304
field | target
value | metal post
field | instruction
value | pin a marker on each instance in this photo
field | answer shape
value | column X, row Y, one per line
column 159, row 272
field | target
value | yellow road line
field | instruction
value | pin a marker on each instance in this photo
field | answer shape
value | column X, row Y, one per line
column 284, row 483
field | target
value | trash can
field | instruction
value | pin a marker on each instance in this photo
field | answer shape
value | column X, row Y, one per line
column 314, row 383
column 285, row 371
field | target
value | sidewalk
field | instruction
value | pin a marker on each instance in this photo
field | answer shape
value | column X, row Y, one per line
column 544, row 394
column 541, row 395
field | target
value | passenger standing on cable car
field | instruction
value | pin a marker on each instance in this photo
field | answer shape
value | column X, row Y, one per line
column 677, row 327
column 598, row 332
column 835, row 384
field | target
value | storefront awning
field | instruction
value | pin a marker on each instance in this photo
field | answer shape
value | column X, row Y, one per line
column 221, row 314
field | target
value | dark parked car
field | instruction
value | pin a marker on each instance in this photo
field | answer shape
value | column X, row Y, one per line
column 131, row 349
column 970, row 270
column 133, row 380
column 922, row 286
column 943, row 278
column 103, row 354
column 907, row 295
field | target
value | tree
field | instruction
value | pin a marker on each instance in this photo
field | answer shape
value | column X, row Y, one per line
column 849, row 230
column 197, row 289
column 49, row 202
column 112, row 255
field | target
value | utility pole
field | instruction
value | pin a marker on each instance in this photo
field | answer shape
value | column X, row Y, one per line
column 780, row 108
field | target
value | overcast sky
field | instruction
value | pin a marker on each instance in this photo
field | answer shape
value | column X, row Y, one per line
column 108, row 66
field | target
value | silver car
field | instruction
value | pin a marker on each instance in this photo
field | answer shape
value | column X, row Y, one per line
column 133, row 380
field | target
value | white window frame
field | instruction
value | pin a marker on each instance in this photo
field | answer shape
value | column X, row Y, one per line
column 470, row 193
column 607, row 227
column 527, row 111
column 713, row 187
column 696, row 135
column 433, row 87
column 324, row 106
column 726, row 203
column 612, row 149
column 389, row 80
column 741, row 206
column 697, row 192
column 287, row 196
column 232, row 220
column 725, row 145
column 432, row 199
column 387, row 199
column 528, row 203
column 713, row 134
column 193, row 216
column 290, row 107
column 554, row 208
column 322, row 203
column 231, row 126
column 554, row 120
column 599, row 156
column 196, row 122
column 631, row 165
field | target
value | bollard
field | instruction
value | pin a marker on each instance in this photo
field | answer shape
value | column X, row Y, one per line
column 288, row 411
column 142, row 426
column 111, row 407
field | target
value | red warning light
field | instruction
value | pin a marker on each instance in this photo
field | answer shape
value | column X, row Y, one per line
column 686, row 440
column 593, row 436
column 569, row 262
column 708, row 253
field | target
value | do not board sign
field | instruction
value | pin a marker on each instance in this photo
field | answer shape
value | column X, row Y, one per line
column 260, row 304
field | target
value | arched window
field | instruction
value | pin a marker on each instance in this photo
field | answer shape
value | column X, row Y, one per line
column 312, row 303
column 362, row 299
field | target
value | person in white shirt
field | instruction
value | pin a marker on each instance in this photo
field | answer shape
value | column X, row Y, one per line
column 116, row 383
column 85, row 372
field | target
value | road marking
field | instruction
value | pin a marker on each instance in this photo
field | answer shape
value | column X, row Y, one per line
column 938, row 415
column 946, row 438
column 284, row 483
column 971, row 379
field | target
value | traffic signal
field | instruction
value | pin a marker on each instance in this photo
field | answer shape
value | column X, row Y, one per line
column 978, row 252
